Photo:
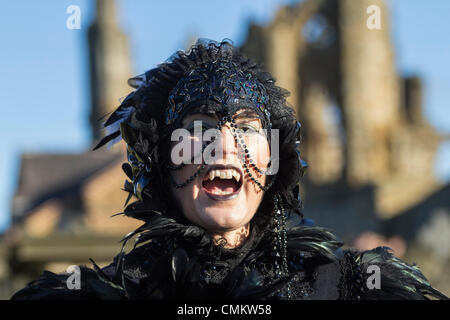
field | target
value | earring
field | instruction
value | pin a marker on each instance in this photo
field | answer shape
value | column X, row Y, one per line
column 280, row 243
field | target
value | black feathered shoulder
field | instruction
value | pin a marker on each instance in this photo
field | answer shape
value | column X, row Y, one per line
column 51, row 286
column 177, row 261
column 398, row 280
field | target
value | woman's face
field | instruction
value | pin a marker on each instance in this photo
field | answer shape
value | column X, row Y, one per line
column 222, row 197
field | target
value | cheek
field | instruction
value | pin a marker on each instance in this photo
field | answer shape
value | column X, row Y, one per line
column 183, row 151
column 260, row 154
column 185, row 195
column 259, row 151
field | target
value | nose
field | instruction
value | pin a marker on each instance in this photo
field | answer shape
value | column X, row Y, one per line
column 229, row 148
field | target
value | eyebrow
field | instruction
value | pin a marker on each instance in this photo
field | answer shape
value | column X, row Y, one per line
column 247, row 119
column 247, row 114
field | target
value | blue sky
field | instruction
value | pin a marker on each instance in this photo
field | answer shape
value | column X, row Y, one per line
column 43, row 79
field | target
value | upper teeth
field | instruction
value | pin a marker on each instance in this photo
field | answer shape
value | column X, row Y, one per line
column 225, row 174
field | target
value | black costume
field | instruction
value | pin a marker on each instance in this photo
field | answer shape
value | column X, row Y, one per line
column 285, row 255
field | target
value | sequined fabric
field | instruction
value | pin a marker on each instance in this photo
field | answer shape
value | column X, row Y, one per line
column 220, row 87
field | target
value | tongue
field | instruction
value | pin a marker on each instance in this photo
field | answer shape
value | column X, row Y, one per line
column 224, row 185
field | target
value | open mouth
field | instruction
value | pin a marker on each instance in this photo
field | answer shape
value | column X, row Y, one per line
column 222, row 182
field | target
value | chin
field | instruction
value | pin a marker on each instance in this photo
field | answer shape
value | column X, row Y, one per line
column 223, row 218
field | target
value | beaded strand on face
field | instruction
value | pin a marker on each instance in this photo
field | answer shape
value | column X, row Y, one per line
column 244, row 159
column 192, row 177
column 203, row 166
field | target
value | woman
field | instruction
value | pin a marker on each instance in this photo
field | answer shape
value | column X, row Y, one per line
column 214, row 163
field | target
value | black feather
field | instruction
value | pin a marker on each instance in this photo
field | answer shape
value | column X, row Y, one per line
column 128, row 171
column 106, row 139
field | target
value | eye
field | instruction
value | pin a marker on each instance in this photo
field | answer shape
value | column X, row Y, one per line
column 248, row 128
